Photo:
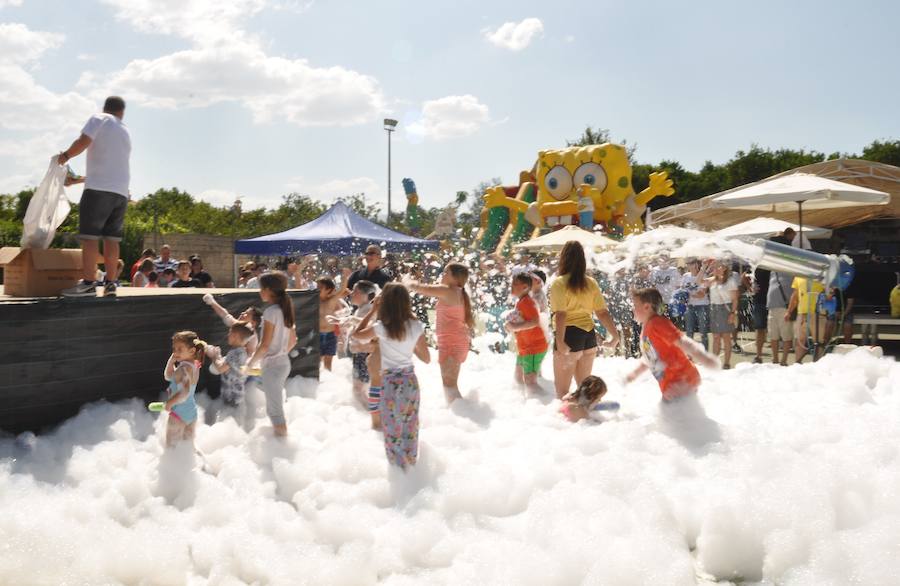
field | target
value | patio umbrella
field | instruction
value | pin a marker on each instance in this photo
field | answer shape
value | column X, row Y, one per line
column 799, row 190
column 763, row 227
column 554, row 241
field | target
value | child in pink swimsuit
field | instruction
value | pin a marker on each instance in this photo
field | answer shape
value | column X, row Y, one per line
column 454, row 323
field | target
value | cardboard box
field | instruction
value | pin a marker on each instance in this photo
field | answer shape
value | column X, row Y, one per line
column 39, row 273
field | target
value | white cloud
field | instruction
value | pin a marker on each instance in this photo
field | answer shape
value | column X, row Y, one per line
column 271, row 88
column 37, row 122
column 330, row 190
column 449, row 117
column 225, row 64
column 200, row 20
column 515, row 36
column 569, row 38
column 19, row 44
column 5, row 3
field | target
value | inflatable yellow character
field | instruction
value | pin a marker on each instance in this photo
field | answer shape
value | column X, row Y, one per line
column 601, row 172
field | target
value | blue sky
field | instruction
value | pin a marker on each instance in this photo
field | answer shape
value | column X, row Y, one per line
column 258, row 98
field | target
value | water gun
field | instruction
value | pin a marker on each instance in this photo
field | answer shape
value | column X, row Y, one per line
column 157, row 407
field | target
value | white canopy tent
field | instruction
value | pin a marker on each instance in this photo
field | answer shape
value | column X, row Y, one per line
column 799, row 191
column 554, row 241
column 763, row 227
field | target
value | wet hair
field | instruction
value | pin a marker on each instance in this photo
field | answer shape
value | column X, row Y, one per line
column 573, row 264
column 395, row 310
column 193, row 343
column 649, row 295
column 460, row 272
column 113, row 105
column 153, row 277
column 326, row 282
column 367, row 287
column 540, row 275
column 523, row 278
column 591, row 390
column 146, row 264
column 276, row 283
column 242, row 329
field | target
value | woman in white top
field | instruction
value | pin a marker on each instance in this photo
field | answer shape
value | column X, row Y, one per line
column 400, row 335
column 278, row 337
column 723, row 307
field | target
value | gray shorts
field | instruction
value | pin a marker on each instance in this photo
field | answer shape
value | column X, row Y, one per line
column 718, row 319
column 101, row 215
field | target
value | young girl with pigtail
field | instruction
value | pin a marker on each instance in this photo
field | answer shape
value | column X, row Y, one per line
column 182, row 371
column 455, row 322
column 278, row 338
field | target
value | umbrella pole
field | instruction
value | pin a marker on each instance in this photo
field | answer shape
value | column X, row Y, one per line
column 800, row 222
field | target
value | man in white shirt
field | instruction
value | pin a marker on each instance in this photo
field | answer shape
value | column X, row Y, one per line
column 105, row 196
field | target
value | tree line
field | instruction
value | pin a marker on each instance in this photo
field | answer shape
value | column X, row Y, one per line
column 171, row 210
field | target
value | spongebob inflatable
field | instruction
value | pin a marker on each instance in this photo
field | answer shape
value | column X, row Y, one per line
column 586, row 186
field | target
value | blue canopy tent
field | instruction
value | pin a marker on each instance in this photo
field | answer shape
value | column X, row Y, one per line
column 339, row 231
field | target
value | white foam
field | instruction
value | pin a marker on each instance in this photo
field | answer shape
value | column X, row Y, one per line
column 787, row 476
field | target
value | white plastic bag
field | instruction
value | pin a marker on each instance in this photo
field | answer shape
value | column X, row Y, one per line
column 47, row 209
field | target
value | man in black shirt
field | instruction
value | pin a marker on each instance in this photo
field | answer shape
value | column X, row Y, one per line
column 372, row 271
column 198, row 273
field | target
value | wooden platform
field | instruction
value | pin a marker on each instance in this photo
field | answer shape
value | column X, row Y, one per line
column 57, row 354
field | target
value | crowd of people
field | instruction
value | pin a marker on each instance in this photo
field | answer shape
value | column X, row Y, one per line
column 371, row 317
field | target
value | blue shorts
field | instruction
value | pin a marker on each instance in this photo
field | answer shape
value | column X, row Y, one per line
column 327, row 343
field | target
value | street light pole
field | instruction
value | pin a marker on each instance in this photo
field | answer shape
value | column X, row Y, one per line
column 390, row 125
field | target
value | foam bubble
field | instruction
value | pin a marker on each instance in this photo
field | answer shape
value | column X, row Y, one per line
column 780, row 475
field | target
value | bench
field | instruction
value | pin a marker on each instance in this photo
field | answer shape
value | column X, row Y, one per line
column 870, row 322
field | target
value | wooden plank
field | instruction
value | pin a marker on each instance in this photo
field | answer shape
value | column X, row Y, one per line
column 58, row 354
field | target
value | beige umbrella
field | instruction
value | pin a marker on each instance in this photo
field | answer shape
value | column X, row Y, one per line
column 799, row 191
column 763, row 227
column 554, row 241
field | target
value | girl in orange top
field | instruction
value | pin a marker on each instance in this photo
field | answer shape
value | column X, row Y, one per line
column 455, row 321
column 667, row 353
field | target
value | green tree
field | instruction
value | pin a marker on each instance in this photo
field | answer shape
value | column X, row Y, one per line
column 887, row 152
column 357, row 202
column 598, row 135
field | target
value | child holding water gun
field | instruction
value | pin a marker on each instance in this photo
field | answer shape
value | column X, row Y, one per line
column 399, row 335
column 455, row 321
column 667, row 352
column 182, row 372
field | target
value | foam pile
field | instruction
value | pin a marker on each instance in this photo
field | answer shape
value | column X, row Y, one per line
column 787, row 476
